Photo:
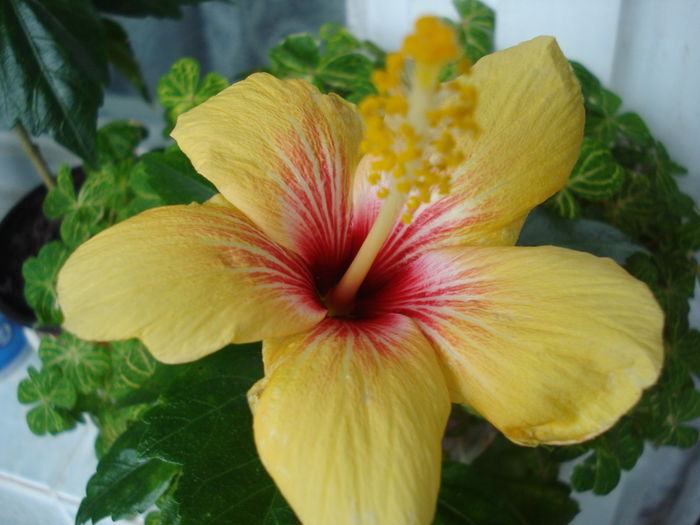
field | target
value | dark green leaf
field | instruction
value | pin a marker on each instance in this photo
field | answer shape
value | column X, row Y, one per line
column 169, row 176
column 121, row 56
column 506, row 485
column 125, row 483
column 181, row 89
column 83, row 363
column 39, row 275
column 53, row 63
column 204, row 423
column 54, row 395
column 477, row 23
column 596, row 175
column 598, row 238
column 599, row 472
column 113, row 422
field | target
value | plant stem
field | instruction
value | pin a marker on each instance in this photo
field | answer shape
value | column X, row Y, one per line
column 34, row 155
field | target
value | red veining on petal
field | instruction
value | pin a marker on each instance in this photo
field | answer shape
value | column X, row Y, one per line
column 245, row 249
column 381, row 334
column 437, row 294
column 317, row 215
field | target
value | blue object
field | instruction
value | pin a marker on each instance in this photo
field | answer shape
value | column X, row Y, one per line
column 12, row 341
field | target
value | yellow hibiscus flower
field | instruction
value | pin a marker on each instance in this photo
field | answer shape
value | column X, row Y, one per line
column 379, row 304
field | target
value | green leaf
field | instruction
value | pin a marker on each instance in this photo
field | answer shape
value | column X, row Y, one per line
column 601, row 128
column 125, row 483
column 596, row 175
column 590, row 85
column 113, row 422
column 83, row 363
column 54, row 395
column 132, row 366
column 40, row 275
column 565, row 204
column 346, row 73
column 337, row 40
column 477, row 22
column 605, row 101
column 61, row 199
column 542, row 228
column 117, row 140
column 169, row 176
column 121, row 56
column 53, row 63
column 205, row 403
column 296, row 56
column 598, row 472
column 180, row 89
column 633, row 129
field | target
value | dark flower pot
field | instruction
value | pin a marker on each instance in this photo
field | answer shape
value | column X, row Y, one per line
column 23, row 231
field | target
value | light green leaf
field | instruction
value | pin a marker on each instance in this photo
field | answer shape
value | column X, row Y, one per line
column 132, row 366
column 296, row 56
column 565, row 204
column 477, row 23
column 54, row 396
column 61, row 199
column 596, row 175
column 344, row 73
column 83, row 363
column 117, row 140
column 180, row 89
column 40, row 274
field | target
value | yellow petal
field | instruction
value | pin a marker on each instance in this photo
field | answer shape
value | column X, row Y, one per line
column 530, row 111
column 350, row 422
column 550, row 345
column 283, row 154
column 186, row 280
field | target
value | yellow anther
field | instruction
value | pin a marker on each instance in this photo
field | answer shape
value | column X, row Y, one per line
column 384, row 80
column 383, row 193
column 412, row 203
column 444, row 188
column 403, row 186
column 409, row 154
column 371, row 106
column 433, row 43
column 374, row 178
column 386, row 162
column 399, row 171
column 396, row 105
column 433, row 117
column 394, row 62
column 424, row 196
column 445, row 143
column 407, row 217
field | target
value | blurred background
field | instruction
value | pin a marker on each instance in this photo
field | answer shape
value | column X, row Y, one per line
column 647, row 51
